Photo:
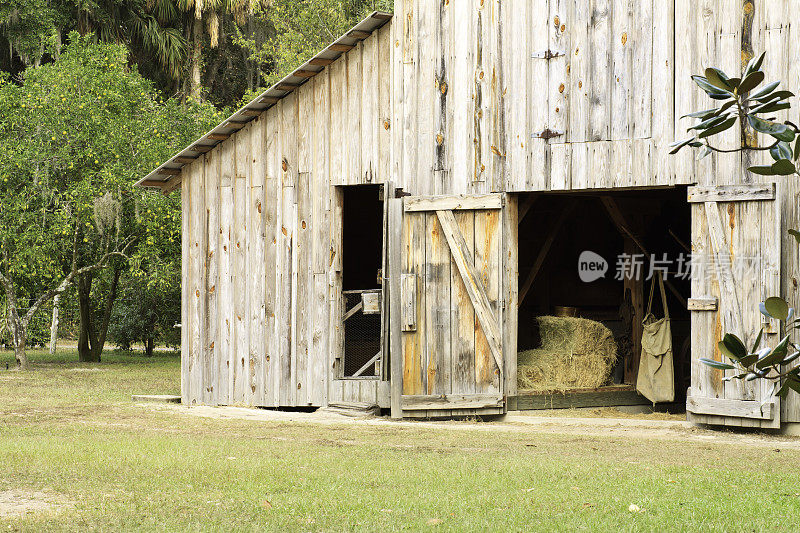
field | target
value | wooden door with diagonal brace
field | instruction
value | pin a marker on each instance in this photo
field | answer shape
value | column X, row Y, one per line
column 450, row 305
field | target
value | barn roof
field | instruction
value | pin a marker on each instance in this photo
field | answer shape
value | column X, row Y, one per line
column 166, row 176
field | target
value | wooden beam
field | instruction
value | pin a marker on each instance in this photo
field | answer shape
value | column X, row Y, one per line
column 170, row 171
column 158, row 184
column 731, row 193
column 287, row 86
column 705, row 303
column 472, row 281
column 202, row 148
column 219, row 136
column 735, row 408
column 419, row 402
column 269, row 100
column 449, row 203
column 395, row 352
column 381, row 16
column 526, row 207
column 301, row 73
column 185, row 160
column 545, row 249
column 619, row 221
column 353, row 310
column 251, row 112
column 341, row 47
column 358, row 34
column 173, row 184
column 235, row 124
column 366, row 365
column 321, row 61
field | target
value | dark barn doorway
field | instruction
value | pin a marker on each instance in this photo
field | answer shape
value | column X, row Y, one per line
column 621, row 228
column 362, row 256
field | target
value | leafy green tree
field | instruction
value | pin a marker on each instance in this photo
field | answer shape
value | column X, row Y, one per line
column 741, row 102
column 150, row 304
column 74, row 137
column 301, row 28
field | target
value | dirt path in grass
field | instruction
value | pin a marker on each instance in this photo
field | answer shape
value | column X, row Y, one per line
column 628, row 428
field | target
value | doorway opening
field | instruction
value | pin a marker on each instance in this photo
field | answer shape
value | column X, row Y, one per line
column 362, row 256
column 587, row 264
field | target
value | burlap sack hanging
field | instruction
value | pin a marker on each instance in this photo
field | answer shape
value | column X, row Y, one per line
column 656, row 378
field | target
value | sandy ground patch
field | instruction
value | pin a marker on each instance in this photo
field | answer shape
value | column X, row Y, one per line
column 513, row 422
column 18, row 503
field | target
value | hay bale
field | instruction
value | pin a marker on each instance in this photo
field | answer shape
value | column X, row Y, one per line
column 576, row 353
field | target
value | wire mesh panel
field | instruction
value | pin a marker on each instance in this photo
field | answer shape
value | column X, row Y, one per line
column 362, row 339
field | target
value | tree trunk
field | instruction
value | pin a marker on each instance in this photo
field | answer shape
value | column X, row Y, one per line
column 196, row 56
column 54, row 325
column 99, row 341
column 20, row 333
column 92, row 338
column 86, row 337
column 149, row 346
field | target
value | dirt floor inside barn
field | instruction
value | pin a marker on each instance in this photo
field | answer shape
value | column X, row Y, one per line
column 76, row 453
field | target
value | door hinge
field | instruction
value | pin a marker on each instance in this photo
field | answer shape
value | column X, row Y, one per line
column 547, row 54
column 547, row 133
column 399, row 193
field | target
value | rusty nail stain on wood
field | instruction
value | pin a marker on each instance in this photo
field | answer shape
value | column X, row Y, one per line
column 580, row 84
column 259, row 207
column 557, row 21
column 197, row 293
column 211, row 346
column 439, row 139
column 561, row 88
column 386, row 124
column 443, row 87
column 480, row 75
column 563, row 28
column 283, row 230
column 299, row 385
column 284, row 164
column 303, row 224
column 624, row 37
column 576, row 51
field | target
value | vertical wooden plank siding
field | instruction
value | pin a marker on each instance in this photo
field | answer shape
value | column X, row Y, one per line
column 241, row 311
column 488, row 244
column 186, row 290
column 197, row 281
column 211, row 203
column 225, row 289
column 272, row 232
column 257, row 235
column 462, row 316
column 414, row 342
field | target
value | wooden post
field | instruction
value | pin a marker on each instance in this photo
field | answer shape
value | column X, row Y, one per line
column 635, row 286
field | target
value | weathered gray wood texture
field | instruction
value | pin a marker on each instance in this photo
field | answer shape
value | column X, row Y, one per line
column 452, row 341
column 480, row 86
column 464, row 97
column 262, row 241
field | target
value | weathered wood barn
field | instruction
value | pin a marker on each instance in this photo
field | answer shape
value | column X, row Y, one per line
column 385, row 224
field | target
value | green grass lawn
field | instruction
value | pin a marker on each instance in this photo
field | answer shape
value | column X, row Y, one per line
column 70, row 431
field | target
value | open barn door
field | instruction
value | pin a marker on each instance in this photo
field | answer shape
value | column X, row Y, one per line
column 448, row 269
column 735, row 266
